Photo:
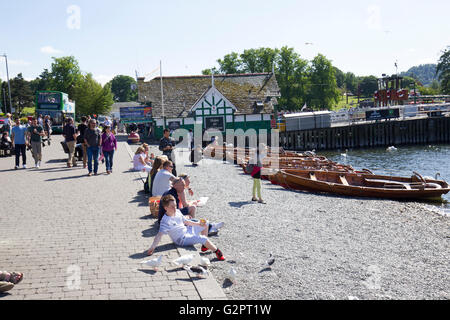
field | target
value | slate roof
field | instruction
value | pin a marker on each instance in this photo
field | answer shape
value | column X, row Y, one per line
column 181, row 93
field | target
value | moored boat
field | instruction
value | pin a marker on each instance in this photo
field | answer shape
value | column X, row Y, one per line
column 360, row 184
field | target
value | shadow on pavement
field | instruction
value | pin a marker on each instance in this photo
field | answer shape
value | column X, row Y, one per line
column 68, row 178
column 152, row 232
column 56, row 160
column 141, row 198
column 240, row 204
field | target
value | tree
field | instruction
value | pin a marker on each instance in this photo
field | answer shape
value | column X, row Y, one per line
column 211, row 71
column 324, row 91
column 21, row 94
column 367, row 86
column 443, row 71
column 230, row 64
column 91, row 98
column 340, row 77
column 41, row 83
column 425, row 73
column 258, row 60
column 121, row 88
column 350, row 82
column 292, row 79
column 65, row 75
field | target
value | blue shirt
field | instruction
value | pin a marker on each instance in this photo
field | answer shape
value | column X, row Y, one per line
column 19, row 134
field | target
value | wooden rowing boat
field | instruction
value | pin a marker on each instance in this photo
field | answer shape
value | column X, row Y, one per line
column 360, row 184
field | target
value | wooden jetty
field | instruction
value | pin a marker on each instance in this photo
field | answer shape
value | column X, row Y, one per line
column 366, row 135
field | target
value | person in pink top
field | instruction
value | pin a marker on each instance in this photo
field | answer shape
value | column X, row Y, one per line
column 109, row 144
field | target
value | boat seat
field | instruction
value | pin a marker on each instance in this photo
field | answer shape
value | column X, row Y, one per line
column 343, row 180
column 389, row 183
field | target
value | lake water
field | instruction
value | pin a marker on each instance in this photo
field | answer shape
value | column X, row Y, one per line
column 426, row 160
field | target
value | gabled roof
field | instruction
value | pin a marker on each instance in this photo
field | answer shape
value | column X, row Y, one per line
column 181, row 93
column 214, row 91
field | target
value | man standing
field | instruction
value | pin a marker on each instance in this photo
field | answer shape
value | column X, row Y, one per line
column 81, row 130
column 19, row 143
column 93, row 140
column 48, row 128
column 70, row 135
column 166, row 145
column 34, row 136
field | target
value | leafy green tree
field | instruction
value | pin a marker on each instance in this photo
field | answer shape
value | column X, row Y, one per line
column 21, row 94
column 324, row 92
column 91, row 98
column 367, row 86
column 42, row 83
column 350, row 82
column 340, row 77
column 292, row 79
column 121, row 88
column 65, row 75
column 211, row 71
column 258, row 60
column 443, row 71
column 230, row 64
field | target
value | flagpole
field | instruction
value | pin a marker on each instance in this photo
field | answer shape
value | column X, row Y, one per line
column 162, row 95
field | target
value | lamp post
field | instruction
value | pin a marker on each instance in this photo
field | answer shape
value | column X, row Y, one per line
column 9, row 86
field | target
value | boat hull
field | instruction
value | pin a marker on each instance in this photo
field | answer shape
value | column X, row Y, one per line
column 361, row 185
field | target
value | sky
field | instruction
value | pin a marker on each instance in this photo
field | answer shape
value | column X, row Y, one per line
column 112, row 37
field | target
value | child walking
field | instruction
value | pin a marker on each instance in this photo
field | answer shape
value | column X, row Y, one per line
column 256, row 175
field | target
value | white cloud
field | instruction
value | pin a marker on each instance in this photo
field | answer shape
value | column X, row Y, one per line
column 19, row 63
column 103, row 79
column 50, row 50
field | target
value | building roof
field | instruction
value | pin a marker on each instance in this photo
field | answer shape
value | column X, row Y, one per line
column 244, row 91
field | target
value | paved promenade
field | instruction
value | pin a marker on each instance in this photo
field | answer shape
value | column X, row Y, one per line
column 80, row 237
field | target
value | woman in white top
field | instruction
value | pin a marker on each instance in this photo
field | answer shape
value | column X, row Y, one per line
column 163, row 180
column 139, row 163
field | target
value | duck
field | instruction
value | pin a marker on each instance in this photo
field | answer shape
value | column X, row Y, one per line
column 392, row 148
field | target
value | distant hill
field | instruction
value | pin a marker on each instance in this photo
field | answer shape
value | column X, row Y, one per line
column 425, row 73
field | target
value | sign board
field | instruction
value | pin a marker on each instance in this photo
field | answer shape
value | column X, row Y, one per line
column 136, row 114
column 381, row 114
column 214, row 123
column 174, row 125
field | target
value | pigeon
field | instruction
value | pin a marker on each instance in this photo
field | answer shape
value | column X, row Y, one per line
column 232, row 275
column 204, row 262
column 155, row 263
column 198, row 271
column 270, row 261
column 183, row 260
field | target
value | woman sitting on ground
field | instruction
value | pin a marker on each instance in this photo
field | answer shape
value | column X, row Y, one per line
column 149, row 159
column 139, row 163
column 182, row 231
column 9, row 279
column 157, row 165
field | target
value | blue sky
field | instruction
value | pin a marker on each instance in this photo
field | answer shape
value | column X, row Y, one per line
column 118, row 37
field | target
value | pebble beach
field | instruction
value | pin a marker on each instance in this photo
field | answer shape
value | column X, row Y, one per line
column 325, row 247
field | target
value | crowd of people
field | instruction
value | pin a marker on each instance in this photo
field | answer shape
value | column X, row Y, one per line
column 86, row 140
column 177, row 215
